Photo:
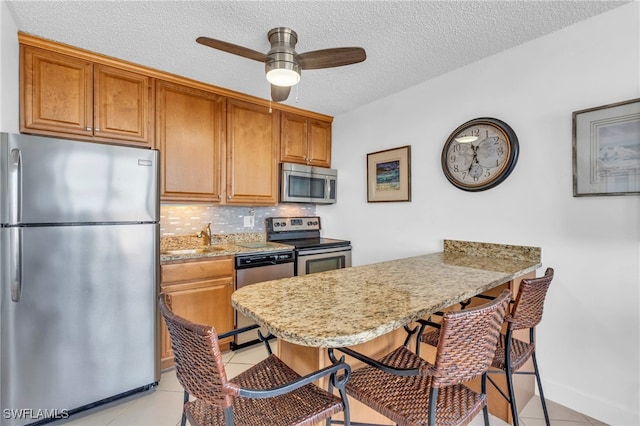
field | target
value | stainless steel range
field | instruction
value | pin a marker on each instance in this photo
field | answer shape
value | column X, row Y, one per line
column 313, row 253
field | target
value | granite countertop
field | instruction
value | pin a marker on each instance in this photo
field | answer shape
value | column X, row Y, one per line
column 349, row 306
column 189, row 247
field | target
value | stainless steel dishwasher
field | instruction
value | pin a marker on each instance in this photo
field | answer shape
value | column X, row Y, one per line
column 255, row 268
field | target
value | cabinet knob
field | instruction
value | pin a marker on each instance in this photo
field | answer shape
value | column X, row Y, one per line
column 88, row 129
column 97, row 129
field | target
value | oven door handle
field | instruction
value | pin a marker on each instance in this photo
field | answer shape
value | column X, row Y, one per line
column 309, row 252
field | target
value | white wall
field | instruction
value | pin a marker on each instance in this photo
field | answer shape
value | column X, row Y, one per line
column 9, row 72
column 588, row 342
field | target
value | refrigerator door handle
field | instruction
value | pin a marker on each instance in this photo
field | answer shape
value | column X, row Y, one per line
column 15, row 186
column 16, row 263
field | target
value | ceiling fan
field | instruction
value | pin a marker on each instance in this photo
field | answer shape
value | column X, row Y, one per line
column 283, row 65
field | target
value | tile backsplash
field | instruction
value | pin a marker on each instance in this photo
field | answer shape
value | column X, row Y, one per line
column 178, row 219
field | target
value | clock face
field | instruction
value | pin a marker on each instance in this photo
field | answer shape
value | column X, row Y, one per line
column 480, row 154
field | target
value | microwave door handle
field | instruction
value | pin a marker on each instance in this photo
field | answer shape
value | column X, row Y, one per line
column 327, row 189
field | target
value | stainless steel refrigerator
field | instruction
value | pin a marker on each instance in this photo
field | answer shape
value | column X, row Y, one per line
column 79, row 271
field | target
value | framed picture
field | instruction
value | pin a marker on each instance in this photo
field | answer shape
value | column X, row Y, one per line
column 389, row 175
column 606, row 150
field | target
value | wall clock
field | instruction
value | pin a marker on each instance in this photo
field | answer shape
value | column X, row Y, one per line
column 480, row 154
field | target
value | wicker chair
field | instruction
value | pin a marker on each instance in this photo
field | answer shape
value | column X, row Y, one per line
column 511, row 353
column 410, row 391
column 269, row 393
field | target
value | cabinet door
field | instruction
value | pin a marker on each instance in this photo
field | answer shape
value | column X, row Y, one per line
column 253, row 139
column 202, row 302
column 56, row 93
column 305, row 140
column 293, row 138
column 319, row 146
column 123, row 105
column 189, row 129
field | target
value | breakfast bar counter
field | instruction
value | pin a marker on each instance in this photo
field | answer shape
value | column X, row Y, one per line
column 349, row 306
column 367, row 306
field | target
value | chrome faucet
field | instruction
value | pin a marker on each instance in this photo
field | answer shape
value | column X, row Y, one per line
column 205, row 234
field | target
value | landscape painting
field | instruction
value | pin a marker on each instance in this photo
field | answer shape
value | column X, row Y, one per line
column 606, row 150
column 389, row 175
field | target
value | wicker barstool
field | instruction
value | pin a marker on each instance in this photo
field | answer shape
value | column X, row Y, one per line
column 267, row 394
column 512, row 353
column 412, row 392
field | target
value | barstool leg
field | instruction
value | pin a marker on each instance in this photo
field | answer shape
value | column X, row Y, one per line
column 183, row 420
column 512, row 394
column 485, row 409
column 542, row 400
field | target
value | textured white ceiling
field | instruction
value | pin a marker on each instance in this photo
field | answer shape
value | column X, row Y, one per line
column 407, row 42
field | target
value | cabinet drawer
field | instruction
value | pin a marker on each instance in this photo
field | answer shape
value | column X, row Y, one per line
column 197, row 270
column 186, row 286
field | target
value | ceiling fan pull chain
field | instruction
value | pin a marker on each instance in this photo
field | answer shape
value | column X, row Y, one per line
column 297, row 93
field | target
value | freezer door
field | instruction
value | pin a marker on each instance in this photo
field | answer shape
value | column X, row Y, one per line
column 85, row 326
column 49, row 180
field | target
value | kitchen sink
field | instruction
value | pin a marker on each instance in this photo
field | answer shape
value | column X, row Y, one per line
column 209, row 249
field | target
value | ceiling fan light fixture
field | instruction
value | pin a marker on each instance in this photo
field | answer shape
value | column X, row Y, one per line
column 282, row 73
column 283, row 65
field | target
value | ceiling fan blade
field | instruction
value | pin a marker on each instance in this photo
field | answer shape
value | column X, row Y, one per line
column 329, row 58
column 280, row 93
column 233, row 48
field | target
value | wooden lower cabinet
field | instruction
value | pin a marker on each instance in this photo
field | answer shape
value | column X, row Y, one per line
column 200, row 291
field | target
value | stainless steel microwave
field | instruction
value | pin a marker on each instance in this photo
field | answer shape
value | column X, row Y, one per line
column 307, row 184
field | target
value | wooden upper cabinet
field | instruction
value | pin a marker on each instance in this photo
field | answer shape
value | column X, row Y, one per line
column 319, row 145
column 123, row 105
column 66, row 96
column 217, row 146
column 253, row 141
column 189, row 135
column 305, row 140
column 56, row 93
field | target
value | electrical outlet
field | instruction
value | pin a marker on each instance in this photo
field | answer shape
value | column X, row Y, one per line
column 249, row 221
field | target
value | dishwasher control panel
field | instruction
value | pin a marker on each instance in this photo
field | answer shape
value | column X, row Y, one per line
column 262, row 259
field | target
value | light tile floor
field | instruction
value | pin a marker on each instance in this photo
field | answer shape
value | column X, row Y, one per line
column 163, row 406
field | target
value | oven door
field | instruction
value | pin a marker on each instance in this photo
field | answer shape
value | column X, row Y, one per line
column 310, row 261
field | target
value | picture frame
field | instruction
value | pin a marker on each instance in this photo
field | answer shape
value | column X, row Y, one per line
column 389, row 175
column 606, row 150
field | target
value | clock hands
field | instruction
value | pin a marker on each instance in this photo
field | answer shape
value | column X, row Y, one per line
column 474, row 160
